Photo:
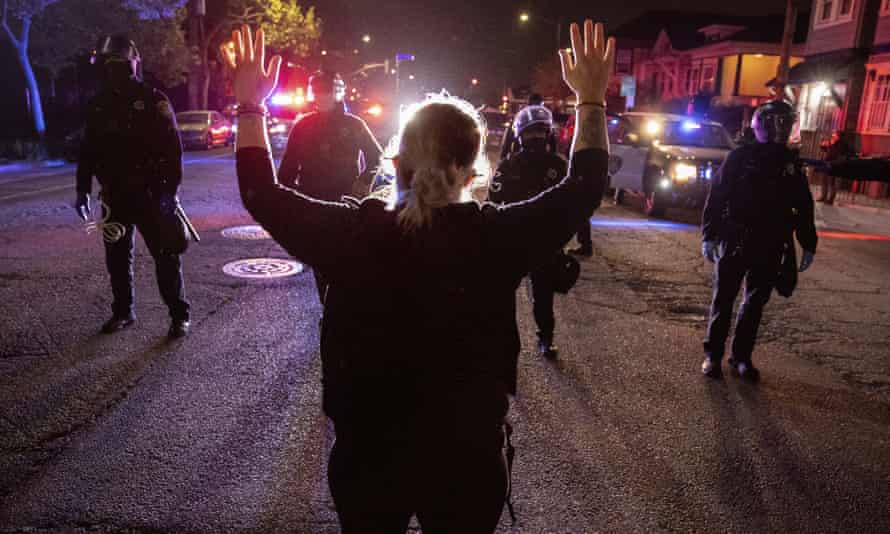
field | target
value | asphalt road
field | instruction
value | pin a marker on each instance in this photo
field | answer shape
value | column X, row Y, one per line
column 223, row 431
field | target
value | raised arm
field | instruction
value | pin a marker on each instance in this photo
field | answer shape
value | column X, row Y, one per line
column 530, row 231
column 309, row 229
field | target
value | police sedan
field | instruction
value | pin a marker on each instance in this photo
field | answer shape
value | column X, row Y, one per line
column 669, row 160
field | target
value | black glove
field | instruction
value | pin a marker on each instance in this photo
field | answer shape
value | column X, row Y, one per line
column 167, row 203
column 82, row 206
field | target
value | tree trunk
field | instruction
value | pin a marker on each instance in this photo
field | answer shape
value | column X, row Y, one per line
column 205, row 84
column 36, row 106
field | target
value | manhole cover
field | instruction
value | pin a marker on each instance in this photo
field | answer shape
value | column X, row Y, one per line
column 262, row 268
column 249, row 231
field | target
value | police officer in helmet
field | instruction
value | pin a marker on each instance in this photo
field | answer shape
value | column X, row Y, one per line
column 523, row 175
column 131, row 145
column 758, row 203
column 330, row 153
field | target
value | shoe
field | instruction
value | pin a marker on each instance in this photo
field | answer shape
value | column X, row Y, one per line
column 585, row 252
column 547, row 349
column 116, row 324
column 711, row 369
column 745, row 370
column 179, row 329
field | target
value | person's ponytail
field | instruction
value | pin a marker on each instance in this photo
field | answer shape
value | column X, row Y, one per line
column 438, row 148
column 431, row 188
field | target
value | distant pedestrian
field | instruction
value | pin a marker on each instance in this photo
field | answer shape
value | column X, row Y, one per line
column 759, row 201
column 419, row 339
column 835, row 151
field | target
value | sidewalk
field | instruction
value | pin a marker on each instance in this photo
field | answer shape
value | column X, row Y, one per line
column 842, row 217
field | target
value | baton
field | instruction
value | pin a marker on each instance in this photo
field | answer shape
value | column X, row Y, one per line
column 188, row 224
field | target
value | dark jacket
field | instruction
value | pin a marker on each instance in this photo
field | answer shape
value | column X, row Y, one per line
column 327, row 153
column 420, row 325
column 759, row 199
column 524, row 175
column 131, row 144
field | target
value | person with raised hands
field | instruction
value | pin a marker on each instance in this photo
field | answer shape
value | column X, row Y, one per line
column 419, row 341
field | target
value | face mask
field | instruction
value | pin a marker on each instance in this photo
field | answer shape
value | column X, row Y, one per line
column 538, row 144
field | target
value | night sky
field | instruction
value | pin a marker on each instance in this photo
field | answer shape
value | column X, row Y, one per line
column 457, row 40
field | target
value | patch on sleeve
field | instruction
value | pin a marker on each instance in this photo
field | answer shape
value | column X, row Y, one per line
column 165, row 109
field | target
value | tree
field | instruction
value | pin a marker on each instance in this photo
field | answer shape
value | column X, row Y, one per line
column 23, row 12
column 67, row 30
column 290, row 30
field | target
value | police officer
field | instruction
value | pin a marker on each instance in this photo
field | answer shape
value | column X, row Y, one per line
column 330, row 153
column 131, row 145
column 523, row 175
column 758, row 202
column 509, row 144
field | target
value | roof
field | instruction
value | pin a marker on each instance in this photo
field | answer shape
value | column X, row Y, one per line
column 683, row 28
column 829, row 67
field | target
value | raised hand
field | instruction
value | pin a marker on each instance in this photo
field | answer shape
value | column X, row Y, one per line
column 253, row 82
column 587, row 68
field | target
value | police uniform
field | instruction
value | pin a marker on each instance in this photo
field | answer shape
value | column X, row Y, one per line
column 759, row 200
column 132, row 146
column 520, row 177
column 329, row 155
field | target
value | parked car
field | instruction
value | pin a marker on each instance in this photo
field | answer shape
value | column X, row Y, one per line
column 204, row 129
column 668, row 159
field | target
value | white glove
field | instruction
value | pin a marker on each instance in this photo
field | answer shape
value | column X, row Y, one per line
column 806, row 260
column 709, row 251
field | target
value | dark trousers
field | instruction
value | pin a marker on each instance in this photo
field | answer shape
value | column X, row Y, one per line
column 759, row 276
column 542, row 303
column 119, row 261
column 321, row 284
column 584, row 238
column 377, row 484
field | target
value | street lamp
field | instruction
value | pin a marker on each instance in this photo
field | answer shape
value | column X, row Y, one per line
column 324, row 52
column 474, row 81
column 366, row 38
column 410, row 76
column 525, row 17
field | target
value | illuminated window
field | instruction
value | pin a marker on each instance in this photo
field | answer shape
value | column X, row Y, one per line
column 879, row 104
column 693, row 84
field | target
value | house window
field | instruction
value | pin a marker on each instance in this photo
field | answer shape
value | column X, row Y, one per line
column 879, row 104
column 693, row 82
column 708, row 80
column 885, row 7
column 830, row 12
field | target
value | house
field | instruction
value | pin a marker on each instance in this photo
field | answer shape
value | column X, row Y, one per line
column 668, row 59
column 844, row 84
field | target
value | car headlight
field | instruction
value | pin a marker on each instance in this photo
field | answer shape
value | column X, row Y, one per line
column 683, row 172
column 278, row 128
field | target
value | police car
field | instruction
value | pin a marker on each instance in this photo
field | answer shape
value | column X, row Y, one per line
column 667, row 159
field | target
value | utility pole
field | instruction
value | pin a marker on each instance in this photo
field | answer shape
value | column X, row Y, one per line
column 787, row 42
column 196, row 11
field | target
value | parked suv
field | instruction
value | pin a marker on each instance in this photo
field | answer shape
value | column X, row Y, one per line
column 669, row 160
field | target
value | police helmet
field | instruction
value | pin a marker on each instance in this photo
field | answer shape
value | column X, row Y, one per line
column 535, row 99
column 324, row 81
column 117, row 49
column 772, row 122
column 531, row 116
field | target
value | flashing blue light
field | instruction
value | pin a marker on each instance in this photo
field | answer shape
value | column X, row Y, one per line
column 641, row 223
column 709, row 173
column 691, row 125
column 404, row 57
column 613, row 122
